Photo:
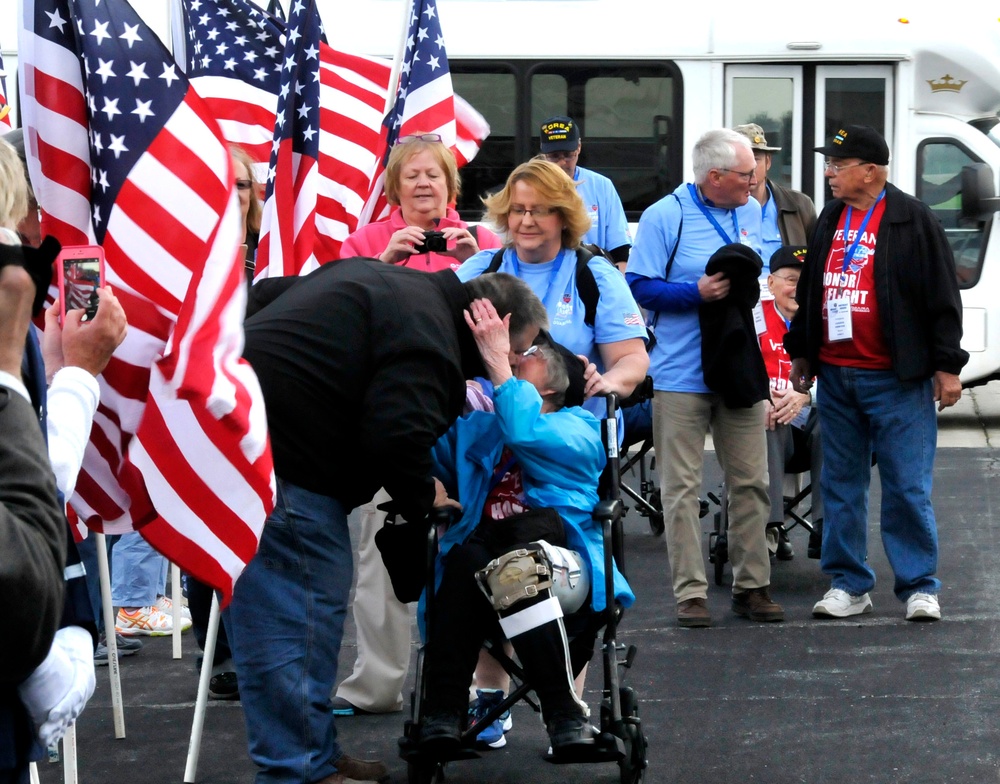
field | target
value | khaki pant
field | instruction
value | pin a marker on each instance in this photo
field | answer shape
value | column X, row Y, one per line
column 680, row 422
column 383, row 624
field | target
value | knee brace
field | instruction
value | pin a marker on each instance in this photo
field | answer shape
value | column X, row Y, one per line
column 515, row 577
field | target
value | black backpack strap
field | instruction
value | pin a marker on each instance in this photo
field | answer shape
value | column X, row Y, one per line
column 586, row 284
column 677, row 239
column 474, row 231
column 495, row 262
column 651, row 328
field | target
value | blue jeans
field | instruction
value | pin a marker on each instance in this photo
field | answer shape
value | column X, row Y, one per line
column 861, row 411
column 139, row 574
column 287, row 620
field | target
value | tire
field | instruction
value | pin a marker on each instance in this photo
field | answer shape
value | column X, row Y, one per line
column 656, row 525
column 632, row 767
column 421, row 772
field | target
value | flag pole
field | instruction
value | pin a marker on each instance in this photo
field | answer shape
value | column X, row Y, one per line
column 175, row 602
column 70, row 771
column 117, row 707
column 397, row 62
column 201, row 702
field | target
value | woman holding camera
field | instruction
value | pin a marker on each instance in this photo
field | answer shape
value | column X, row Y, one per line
column 423, row 231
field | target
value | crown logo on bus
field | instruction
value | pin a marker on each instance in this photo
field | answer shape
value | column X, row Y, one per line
column 947, row 83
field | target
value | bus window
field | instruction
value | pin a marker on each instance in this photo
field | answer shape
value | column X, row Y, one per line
column 493, row 93
column 939, row 185
column 629, row 119
column 629, row 116
column 769, row 101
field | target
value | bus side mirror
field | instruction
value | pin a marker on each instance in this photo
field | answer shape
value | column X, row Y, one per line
column 979, row 200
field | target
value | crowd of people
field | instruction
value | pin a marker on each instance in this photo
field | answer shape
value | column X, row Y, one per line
column 439, row 365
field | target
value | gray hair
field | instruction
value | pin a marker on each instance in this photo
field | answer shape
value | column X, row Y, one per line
column 556, row 377
column 510, row 295
column 716, row 150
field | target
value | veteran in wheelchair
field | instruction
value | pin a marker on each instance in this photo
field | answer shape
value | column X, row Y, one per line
column 526, row 560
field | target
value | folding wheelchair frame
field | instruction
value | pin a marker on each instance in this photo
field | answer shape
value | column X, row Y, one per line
column 621, row 737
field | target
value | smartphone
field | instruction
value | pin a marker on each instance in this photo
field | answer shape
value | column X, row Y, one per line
column 80, row 269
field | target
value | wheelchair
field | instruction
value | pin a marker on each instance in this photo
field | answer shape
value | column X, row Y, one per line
column 621, row 739
column 638, row 430
column 797, row 507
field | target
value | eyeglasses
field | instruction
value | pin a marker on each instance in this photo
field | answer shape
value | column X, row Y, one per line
column 792, row 279
column 537, row 212
column 837, row 168
column 530, row 352
column 419, row 137
column 742, row 175
column 560, row 155
column 243, row 185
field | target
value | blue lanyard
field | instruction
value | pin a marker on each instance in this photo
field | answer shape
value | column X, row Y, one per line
column 552, row 276
column 849, row 252
column 711, row 217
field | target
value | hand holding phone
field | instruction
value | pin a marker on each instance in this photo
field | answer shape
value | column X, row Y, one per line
column 80, row 270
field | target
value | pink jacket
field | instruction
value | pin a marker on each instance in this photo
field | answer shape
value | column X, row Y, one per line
column 372, row 239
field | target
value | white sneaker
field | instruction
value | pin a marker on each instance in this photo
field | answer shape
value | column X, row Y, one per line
column 165, row 605
column 840, row 604
column 923, row 607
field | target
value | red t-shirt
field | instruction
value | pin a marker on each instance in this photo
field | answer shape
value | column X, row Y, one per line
column 506, row 497
column 867, row 348
column 776, row 359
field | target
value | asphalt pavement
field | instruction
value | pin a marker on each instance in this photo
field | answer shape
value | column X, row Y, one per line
column 870, row 699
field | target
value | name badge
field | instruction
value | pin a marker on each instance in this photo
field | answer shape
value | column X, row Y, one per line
column 759, row 323
column 838, row 319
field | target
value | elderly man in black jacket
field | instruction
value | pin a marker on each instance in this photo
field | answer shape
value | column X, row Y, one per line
column 880, row 324
column 363, row 367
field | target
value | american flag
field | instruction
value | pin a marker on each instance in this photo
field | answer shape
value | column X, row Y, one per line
column 288, row 235
column 122, row 151
column 235, row 54
column 238, row 74
column 425, row 102
column 275, row 9
column 5, row 118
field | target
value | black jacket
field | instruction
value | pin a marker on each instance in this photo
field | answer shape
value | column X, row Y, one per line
column 730, row 352
column 361, row 365
column 916, row 288
column 33, row 540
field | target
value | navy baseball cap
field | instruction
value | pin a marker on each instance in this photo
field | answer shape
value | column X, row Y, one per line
column 857, row 141
column 559, row 134
column 787, row 256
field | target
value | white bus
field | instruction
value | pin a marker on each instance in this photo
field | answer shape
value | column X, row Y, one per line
column 644, row 78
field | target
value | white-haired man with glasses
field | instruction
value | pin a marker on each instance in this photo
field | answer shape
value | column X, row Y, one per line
column 667, row 274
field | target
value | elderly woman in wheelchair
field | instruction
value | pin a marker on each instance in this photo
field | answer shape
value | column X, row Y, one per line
column 525, row 561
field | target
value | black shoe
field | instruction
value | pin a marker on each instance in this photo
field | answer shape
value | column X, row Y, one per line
column 785, row 551
column 442, row 732
column 224, row 686
column 815, row 540
column 569, row 732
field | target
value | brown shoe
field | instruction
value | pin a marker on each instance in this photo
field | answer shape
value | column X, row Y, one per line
column 693, row 613
column 352, row 770
column 756, row 605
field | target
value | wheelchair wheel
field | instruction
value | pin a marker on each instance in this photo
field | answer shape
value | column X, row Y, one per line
column 718, row 548
column 420, row 771
column 633, row 765
column 656, row 526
